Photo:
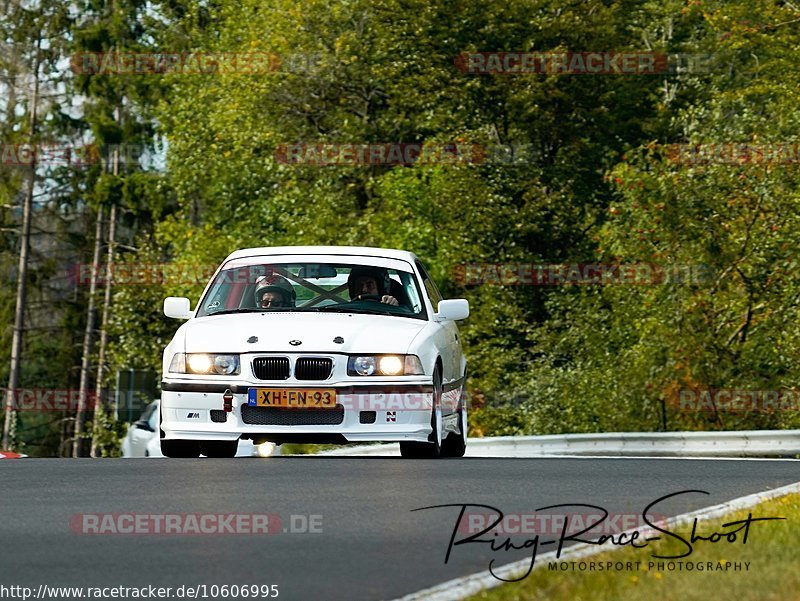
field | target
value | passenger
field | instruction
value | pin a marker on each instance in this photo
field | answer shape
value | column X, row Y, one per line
column 274, row 292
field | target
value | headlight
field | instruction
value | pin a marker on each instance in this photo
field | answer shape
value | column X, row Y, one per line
column 384, row 365
column 226, row 364
column 205, row 363
column 391, row 365
column 363, row 366
column 199, row 363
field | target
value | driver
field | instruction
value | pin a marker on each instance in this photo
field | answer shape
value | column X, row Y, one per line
column 274, row 291
column 370, row 283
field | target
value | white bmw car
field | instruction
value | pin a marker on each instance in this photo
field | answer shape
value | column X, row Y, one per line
column 317, row 344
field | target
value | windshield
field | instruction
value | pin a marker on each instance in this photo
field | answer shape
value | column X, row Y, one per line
column 258, row 285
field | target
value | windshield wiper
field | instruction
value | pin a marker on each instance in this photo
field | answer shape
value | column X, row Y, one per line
column 229, row 311
column 340, row 309
column 332, row 308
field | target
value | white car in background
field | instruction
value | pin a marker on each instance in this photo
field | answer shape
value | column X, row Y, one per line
column 316, row 344
column 142, row 439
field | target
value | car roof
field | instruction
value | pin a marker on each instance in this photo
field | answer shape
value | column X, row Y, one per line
column 358, row 251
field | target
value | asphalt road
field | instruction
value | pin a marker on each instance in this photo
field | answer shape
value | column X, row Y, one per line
column 372, row 546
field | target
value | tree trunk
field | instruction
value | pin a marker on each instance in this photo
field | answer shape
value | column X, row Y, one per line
column 88, row 334
column 22, row 270
column 99, row 409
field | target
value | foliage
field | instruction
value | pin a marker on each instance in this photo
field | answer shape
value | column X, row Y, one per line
column 598, row 183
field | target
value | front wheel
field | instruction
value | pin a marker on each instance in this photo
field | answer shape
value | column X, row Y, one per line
column 186, row 449
column 433, row 448
column 180, row 448
column 219, row 449
column 455, row 445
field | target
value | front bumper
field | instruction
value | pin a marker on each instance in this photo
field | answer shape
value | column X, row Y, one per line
column 396, row 412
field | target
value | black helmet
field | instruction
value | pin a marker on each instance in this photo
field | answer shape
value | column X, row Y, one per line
column 379, row 274
column 275, row 283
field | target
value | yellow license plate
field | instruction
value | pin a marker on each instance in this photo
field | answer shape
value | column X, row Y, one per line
column 295, row 398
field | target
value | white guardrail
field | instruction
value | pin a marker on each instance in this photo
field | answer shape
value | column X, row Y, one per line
column 746, row 443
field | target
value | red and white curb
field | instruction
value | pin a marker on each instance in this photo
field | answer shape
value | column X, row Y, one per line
column 466, row 586
column 10, row 455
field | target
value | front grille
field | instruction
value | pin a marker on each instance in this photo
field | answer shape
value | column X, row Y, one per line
column 219, row 416
column 273, row 416
column 271, row 368
column 313, row 368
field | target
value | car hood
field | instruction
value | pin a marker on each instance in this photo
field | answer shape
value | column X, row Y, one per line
column 316, row 332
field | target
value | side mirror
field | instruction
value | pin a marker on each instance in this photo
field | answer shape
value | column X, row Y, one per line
column 452, row 310
column 177, row 307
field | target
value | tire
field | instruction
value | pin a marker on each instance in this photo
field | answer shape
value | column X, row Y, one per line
column 219, row 449
column 433, row 448
column 455, row 445
column 180, row 448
